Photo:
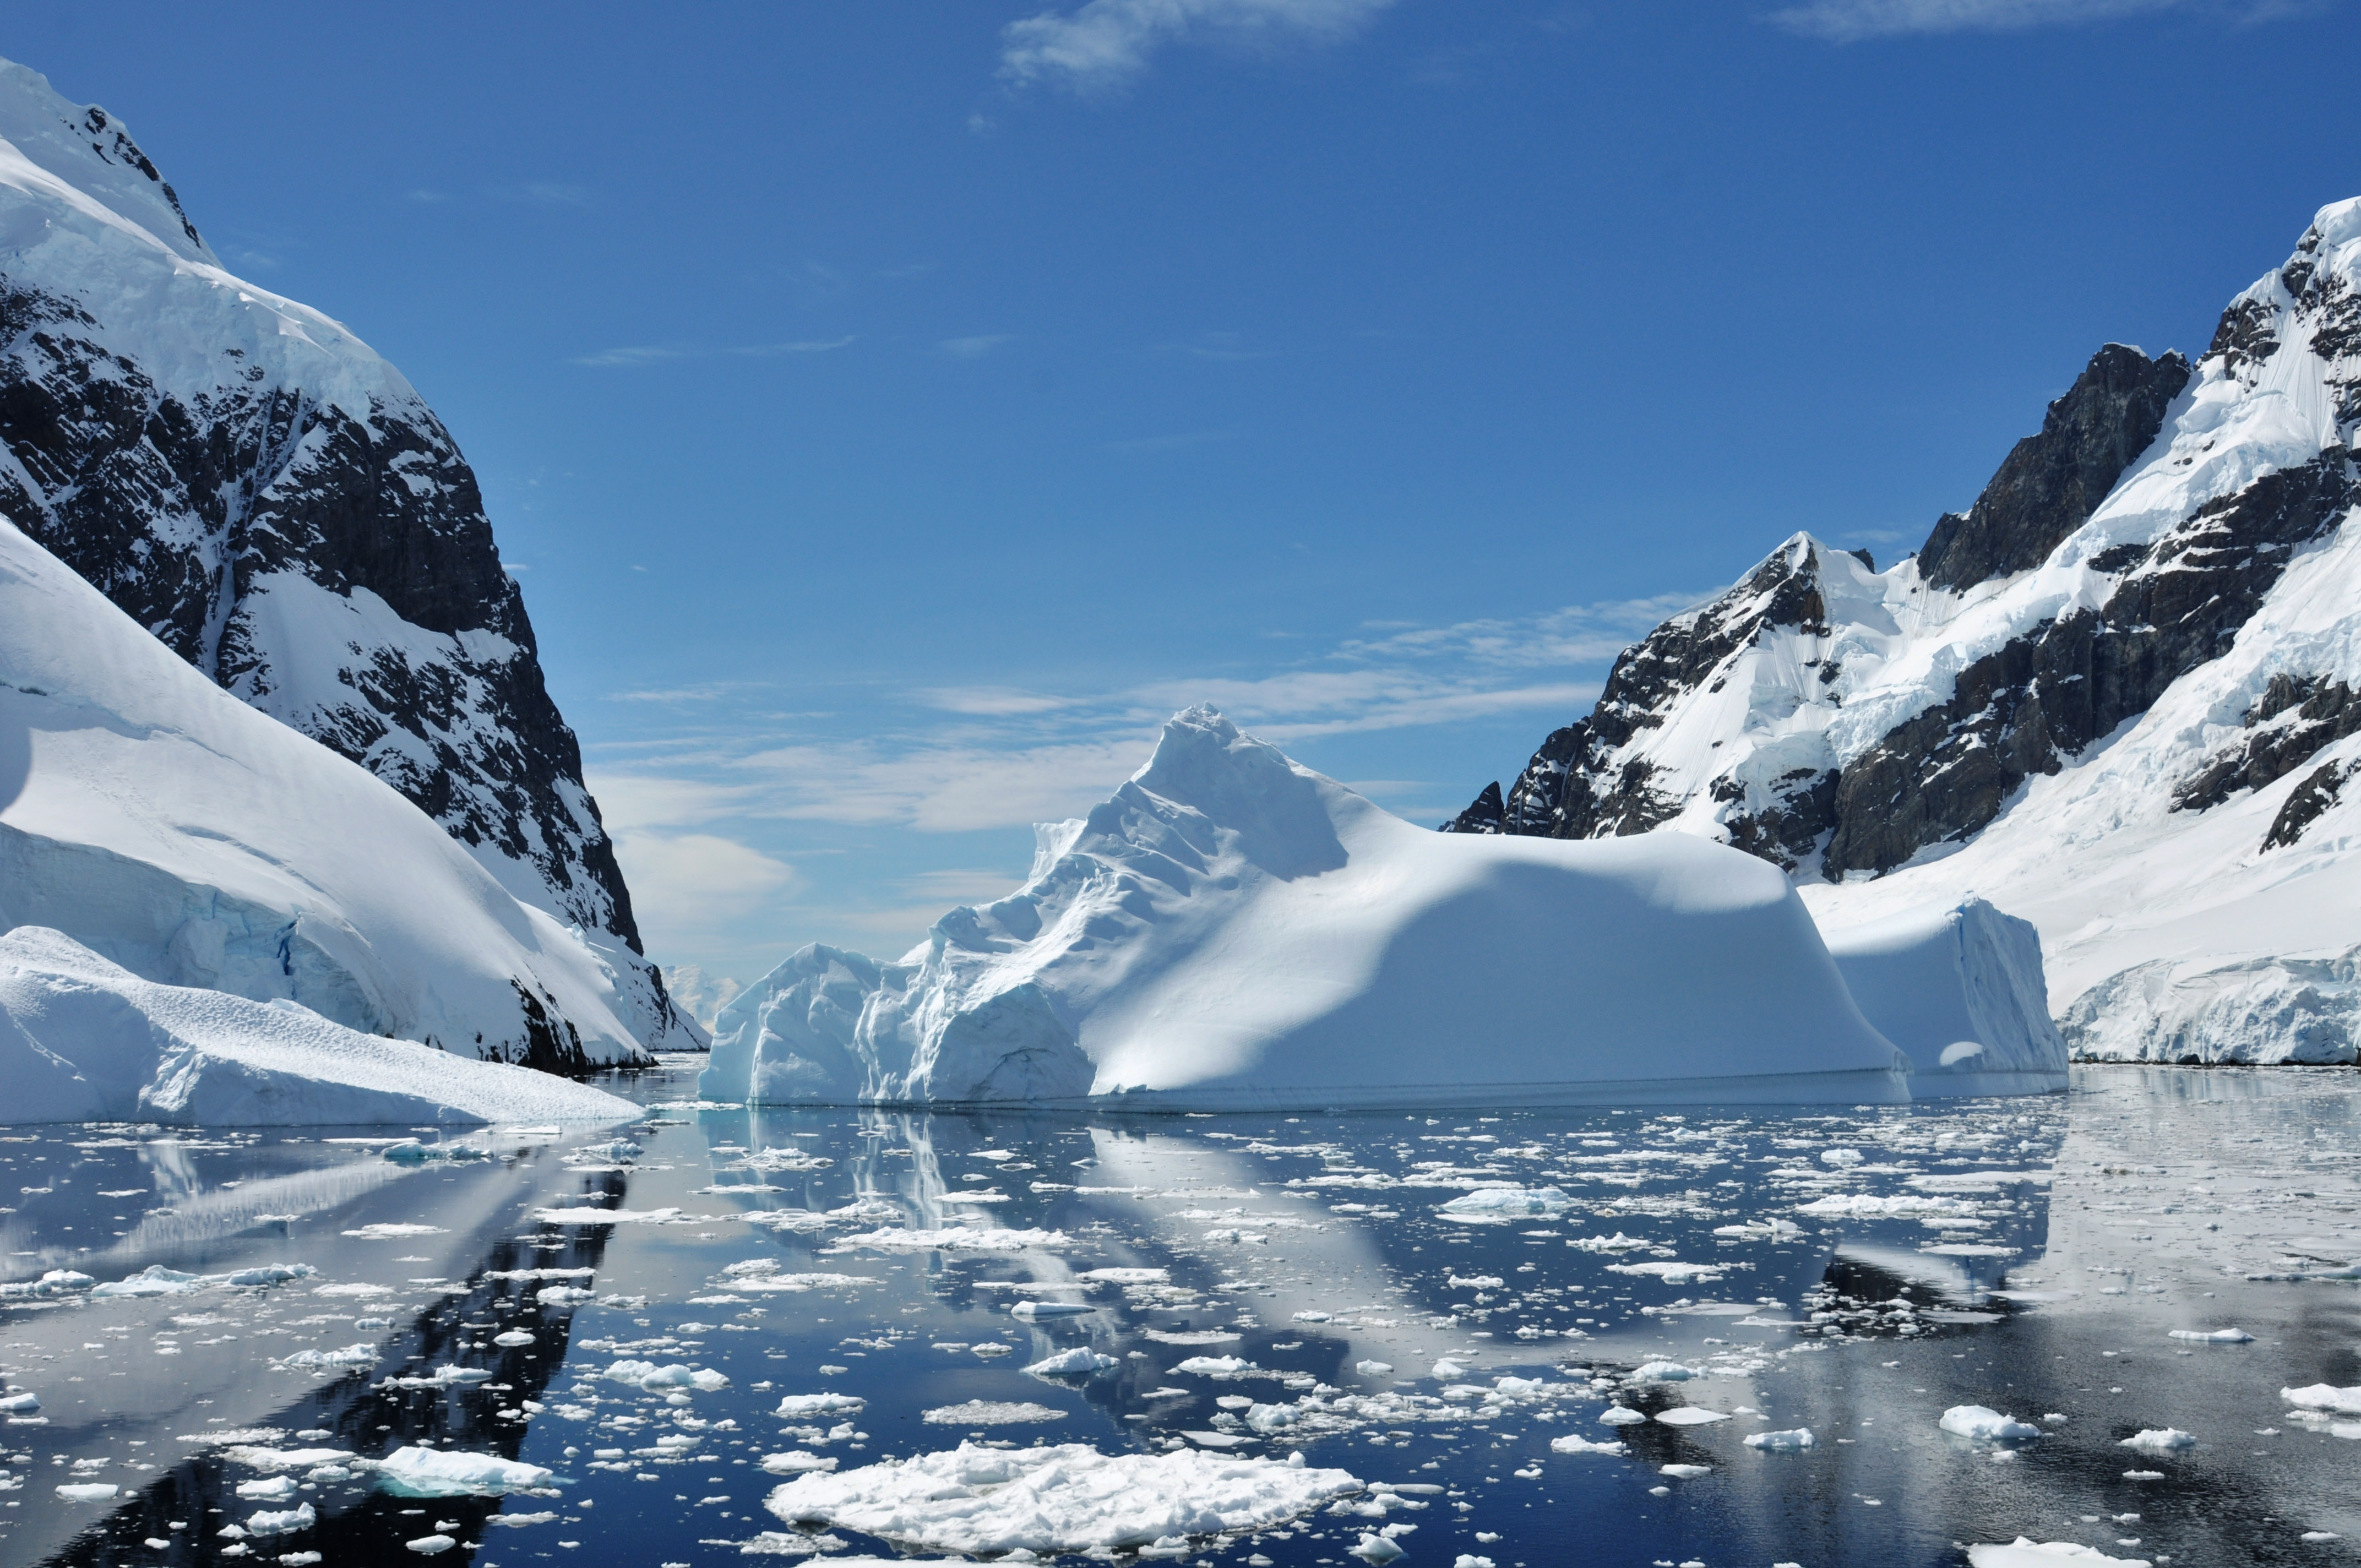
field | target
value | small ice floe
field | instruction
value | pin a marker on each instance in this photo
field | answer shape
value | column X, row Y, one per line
column 2026, row 1553
column 797, row 1406
column 957, row 1238
column 268, row 1489
column 1792, row 1441
column 991, row 1414
column 88, row 1491
column 589, row 1216
column 1471, row 1282
column 2142, row 1474
column 158, row 1280
column 1619, row 1242
column 1572, row 1443
column 564, row 1296
column 1375, row 1548
column 611, row 1153
column 23, row 1402
column 1621, row 1415
column 1080, row 1362
column 1039, row 1311
column 1671, row 1271
column 1769, row 1230
column 1194, row 1336
column 1869, row 1206
column 1128, row 1275
column 2324, row 1396
column 648, row 1375
column 1497, row 1204
column 2160, row 1440
column 795, row 1461
column 343, row 1360
column 1685, row 1472
column 1839, row 1157
column 415, row 1472
column 2215, row 1336
column 1222, row 1367
column 392, row 1230
column 1374, row 1368
column 1061, row 1499
column 410, row 1151
column 284, row 1521
column 509, row 1339
column 56, row 1282
column 1980, row 1424
column 1664, row 1372
column 1447, row 1368
column 1316, row 1317
column 1690, row 1415
column 430, row 1546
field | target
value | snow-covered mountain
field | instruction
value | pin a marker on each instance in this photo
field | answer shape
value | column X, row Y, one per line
column 251, row 483
column 2116, row 696
column 151, row 817
column 1231, row 930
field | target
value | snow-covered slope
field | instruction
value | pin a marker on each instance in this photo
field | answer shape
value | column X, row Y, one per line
column 83, row 1039
column 2116, row 698
column 151, row 815
column 257, row 488
column 1230, row 928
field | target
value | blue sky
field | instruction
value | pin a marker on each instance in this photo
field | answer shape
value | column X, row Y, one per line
column 892, row 411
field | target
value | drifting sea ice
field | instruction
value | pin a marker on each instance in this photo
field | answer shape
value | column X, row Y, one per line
column 1068, row 1497
column 2024, row 1553
column 1981, row 1424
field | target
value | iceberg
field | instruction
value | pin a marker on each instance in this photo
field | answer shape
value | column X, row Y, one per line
column 1959, row 987
column 1232, row 930
column 84, row 1039
column 173, row 830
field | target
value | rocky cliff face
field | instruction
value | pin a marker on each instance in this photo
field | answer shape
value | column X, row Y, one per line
column 275, row 502
column 2165, row 535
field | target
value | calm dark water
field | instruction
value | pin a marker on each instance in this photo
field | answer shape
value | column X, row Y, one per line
column 1291, row 1285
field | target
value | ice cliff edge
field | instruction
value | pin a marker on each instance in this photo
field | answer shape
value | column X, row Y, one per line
column 1230, row 928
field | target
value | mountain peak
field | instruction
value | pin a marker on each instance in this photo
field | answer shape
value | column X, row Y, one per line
column 92, row 151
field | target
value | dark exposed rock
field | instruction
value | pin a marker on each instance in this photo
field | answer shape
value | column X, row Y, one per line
column 183, row 513
column 2051, row 483
column 2047, row 696
column 1483, row 816
column 2305, row 803
column 2323, row 713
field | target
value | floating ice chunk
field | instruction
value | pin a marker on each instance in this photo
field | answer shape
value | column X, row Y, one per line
column 509, row 1339
column 614, row 1150
column 413, row 1471
column 1984, row 1425
column 797, row 1405
column 1128, row 1275
column 1621, row 1415
column 1671, row 1271
column 1664, row 1372
column 2324, row 1396
column 1690, row 1415
column 1035, row 1312
column 410, row 1151
column 350, row 1356
column 1685, row 1472
column 2024, row 1554
column 1059, row 1498
column 430, row 1546
column 2142, row 1474
column 19, row 1404
column 1080, row 1362
column 56, row 1282
column 590, row 1216
column 2217, row 1336
column 1572, row 1443
column 1216, row 1365
column 153, row 1280
column 958, row 1238
column 795, row 1461
column 269, row 1489
column 1447, row 1368
column 392, row 1229
column 285, row 1521
column 1870, row 1206
column 88, row 1491
column 991, row 1414
column 1619, row 1242
column 2160, row 1440
column 1507, row 1202
column 261, row 1458
column 1373, row 1368
column 1375, row 1548
column 564, row 1296
column 1790, row 1441
column 1839, row 1157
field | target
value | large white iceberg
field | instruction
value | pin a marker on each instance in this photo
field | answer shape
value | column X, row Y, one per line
column 83, row 1039
column 157, row 820
column 1959, row 987
column 1231, row 930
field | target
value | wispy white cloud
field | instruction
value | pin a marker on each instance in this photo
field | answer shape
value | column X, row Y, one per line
column 991, row 701
column 1850, row 21
column 662, row 352
column 975, row 347
column 685, row 885
column 1106, row 43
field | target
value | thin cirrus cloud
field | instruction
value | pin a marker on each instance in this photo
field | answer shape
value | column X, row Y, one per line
column 664, row 353
column 975, row 347
column 1852, row 21
column 1107, row 43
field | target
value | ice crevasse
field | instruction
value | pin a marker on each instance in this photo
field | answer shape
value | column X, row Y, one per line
column 1231, row 930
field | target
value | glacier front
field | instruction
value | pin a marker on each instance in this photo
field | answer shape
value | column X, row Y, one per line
column 1231, row 929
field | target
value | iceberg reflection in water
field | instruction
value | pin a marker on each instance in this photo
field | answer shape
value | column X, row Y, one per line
column 1504, row 1331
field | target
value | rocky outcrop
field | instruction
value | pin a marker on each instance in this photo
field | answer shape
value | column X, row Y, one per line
column 275, row 502
column 2051, row 483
